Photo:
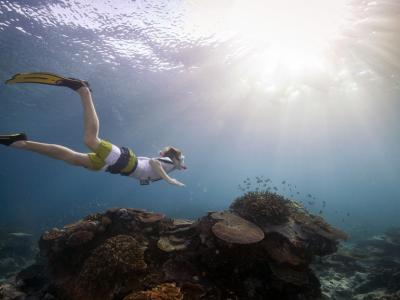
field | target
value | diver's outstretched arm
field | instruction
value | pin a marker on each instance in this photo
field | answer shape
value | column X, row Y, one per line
column 56, row 151
column 157, row 167
column 91, row 121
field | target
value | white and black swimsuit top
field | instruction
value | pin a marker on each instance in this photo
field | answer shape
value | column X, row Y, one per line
column 144, row 171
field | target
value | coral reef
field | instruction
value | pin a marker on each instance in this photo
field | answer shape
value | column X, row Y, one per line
column 235, row 230
column 166, row 291
column 9, row 291
column 366, row 270
column 17, row 251
column 127, row 253
column 111, row 262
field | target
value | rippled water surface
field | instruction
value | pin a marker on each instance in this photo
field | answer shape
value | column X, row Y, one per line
column 306, row 93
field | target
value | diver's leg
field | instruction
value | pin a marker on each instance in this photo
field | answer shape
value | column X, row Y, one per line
column 56, row 151
column 91, row 136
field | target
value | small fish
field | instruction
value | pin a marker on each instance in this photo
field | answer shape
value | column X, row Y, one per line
column 298, row 193
column 275, row 188
column 20, row 234
column 283, row 182
column 311, row 202
column 320, row 212
column 348, row 214
column 309, row 196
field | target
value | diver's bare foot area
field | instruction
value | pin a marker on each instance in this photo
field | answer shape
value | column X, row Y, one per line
column 83, row 91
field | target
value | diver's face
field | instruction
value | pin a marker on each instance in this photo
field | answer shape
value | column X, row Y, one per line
column 179, row 163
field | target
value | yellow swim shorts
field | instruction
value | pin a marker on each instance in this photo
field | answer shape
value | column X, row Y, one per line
column 109, row 154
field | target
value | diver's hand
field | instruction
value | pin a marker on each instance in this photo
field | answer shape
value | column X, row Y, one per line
column 176, row 182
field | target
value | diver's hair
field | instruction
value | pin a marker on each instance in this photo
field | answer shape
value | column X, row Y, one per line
column 171, row 152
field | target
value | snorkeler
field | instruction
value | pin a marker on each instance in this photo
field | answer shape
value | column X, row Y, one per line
column 105, row 156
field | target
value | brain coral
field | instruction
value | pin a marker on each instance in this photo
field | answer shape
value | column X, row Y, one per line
column 111, row 261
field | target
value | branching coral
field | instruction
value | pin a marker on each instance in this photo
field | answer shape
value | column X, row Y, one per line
column 262, row 207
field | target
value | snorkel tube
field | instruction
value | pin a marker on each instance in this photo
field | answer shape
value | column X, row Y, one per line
column 181, row 160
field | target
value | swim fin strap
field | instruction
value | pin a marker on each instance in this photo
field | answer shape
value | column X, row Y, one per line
column 47, row 78
column 8, row 139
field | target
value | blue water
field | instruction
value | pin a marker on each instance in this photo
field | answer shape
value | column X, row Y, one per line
column 156, row 81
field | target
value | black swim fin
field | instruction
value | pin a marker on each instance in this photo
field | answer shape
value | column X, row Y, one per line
column 8, row 139
column 49, row 79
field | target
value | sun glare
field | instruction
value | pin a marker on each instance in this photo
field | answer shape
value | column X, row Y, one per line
column 287, row 22
column 289, row 34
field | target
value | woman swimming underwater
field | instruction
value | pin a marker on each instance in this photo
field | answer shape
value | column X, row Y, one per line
column 105, row 156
